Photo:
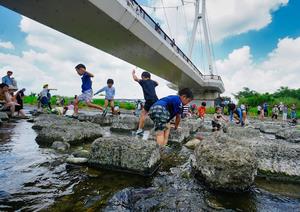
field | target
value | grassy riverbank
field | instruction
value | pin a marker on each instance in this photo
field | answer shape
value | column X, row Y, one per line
column 32, row 100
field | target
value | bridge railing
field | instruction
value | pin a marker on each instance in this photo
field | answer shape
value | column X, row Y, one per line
column 141, row 12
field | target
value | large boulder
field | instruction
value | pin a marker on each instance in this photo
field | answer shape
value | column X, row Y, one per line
column 191, row 124
column 289, row 134
column 128, row 123
column 52, row 128
column 225, row 165
column 3, row 116
column 130, row 154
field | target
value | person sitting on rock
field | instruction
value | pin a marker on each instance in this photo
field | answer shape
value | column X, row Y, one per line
column 217, row 119
column 9, row 105
column 109, row 96
column 164, row 110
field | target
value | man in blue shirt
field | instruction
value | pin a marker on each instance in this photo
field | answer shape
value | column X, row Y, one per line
column 109, row 96
column 8, row 80
column 165, row 109
column 86, row 89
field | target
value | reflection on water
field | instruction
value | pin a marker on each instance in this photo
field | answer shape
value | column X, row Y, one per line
column 33, row 178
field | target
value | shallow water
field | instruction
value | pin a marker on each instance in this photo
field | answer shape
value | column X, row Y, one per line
column 34, row 178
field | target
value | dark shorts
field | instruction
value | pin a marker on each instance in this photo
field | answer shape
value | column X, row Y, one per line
column 18, row 108
column 148, row 104
column 44, row 101
column 160, row 116
column 216, row 125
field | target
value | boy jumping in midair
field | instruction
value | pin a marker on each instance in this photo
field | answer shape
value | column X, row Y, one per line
column 109, row 96
column 165, row 109
column 148, row 87
column 86, row 88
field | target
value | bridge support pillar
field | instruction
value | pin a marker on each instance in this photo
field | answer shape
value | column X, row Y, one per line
column 208, row 96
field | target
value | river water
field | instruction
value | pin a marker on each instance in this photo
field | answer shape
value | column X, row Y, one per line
column 34, row 178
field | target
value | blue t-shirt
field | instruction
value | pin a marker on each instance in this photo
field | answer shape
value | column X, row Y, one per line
column 7, row 80
column 172, row 103
column 148, row 87
column 86, row 82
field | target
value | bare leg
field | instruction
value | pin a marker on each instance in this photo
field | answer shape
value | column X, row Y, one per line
column 166, row 134
column 160, row 138
column 76, row 102
column 105, row 103
column 143, row 116
column 89, row 104
column 12, row 110
column 112, row 106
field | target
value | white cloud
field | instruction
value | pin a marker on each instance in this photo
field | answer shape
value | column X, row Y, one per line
column 226, row 18
column 6, row 45
column 53, row 56
column 281, row 68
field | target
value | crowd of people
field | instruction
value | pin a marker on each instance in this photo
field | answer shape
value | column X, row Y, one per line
column 165, row 113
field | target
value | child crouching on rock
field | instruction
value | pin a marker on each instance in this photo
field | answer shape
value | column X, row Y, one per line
column 217, row 120
column 164, row 110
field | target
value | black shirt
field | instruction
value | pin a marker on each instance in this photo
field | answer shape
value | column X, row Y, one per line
column 149, row 89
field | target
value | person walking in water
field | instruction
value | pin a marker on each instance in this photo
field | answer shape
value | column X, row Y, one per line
column 86, row 89
column 109, row 96
column 148, row 85
column 164, row 110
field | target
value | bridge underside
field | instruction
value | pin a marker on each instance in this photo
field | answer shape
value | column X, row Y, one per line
column 83, row 20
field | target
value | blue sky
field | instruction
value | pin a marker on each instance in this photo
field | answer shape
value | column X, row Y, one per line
column 247, row 45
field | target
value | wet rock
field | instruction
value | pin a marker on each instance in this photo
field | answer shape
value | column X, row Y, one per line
column 103, row 121
column 52, row 128
column 3, row 116
column 225, row 165
column 192, row 124
column 289, row 134
column 61, row 146
column 270, row 128
column 75, row 160
column 191, row 144
column 179, row 135
column 128, row 123
column 176, row 190
column 125, row 153
column 81, row 153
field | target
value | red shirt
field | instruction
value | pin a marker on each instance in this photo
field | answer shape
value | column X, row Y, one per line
column 201, row 111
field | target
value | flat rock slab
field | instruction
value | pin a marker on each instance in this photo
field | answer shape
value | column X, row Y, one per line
column 192, row 124
column 52, row 128
column 124, row 153
column 128, row 123
column 225, row 165
column 289, row 134
column 98, row 119
column 270, row 128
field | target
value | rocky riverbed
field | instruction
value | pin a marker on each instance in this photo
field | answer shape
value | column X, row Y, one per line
column 97, row 163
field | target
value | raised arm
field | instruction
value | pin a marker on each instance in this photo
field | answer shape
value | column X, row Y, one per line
column 135, row 78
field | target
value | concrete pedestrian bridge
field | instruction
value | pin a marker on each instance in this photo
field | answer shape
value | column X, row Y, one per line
column 123, row 29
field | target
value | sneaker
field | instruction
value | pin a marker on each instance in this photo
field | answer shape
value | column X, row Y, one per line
column 104, row 112
column 139, row 132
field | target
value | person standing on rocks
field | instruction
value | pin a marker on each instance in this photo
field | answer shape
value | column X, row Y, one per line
column 284, row 113
column 86, row 89
column 164, row 110
column 148, row 85
column 293, row 112
column 231, row 109
column 275, row 112
column 109, row 96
